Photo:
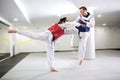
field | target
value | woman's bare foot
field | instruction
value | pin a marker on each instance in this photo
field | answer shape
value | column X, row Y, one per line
column 81, row 62
column 53, row 69
column 12, row 31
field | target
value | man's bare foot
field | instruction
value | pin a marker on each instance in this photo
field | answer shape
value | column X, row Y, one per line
column 53, row 69
column 81, row 62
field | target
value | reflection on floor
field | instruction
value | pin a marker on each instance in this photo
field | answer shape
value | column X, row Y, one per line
column 4, row 55
column 34, row 67
column 9, row 63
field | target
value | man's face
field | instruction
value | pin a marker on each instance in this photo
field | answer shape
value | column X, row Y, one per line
column 83, row 12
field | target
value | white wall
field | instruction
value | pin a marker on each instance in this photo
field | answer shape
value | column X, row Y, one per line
column 107, row 37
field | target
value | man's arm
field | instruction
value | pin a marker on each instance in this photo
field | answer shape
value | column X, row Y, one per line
column 91, row 23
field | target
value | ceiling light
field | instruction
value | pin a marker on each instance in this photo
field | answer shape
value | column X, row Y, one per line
column 99, row 16
column 15, row 19
column 24, row 27
column 104, row 24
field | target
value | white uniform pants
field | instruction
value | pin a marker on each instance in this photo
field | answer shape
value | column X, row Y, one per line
column 90, row 48
column 86, row 48
column 82, row 44
column 47, row 37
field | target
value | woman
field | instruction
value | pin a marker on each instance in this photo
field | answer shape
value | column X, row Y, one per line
column 49, row 36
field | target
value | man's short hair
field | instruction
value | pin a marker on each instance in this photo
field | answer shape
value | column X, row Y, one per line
column 83, row 7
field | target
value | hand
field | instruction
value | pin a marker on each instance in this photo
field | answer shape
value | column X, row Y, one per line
column 12, row 31
column 83, row 25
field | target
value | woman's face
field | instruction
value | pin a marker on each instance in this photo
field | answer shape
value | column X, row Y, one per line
column 67, row 20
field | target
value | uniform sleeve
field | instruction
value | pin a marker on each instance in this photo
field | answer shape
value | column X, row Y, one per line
column 69, row 24
column 75, row 24
column 71, row 29
column 28, row 34
column 91, row 22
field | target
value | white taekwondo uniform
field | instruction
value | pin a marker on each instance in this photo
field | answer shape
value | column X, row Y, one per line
column 86, row 49
column 47, row 36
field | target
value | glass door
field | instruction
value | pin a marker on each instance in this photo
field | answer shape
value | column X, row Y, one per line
column 4, row 41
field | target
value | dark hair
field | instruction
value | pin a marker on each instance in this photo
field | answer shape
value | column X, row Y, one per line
column 62, row 20
column 83, row 7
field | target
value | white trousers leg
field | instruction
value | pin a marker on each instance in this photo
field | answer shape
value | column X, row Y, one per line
column 50, row 54
column 50, row 51
column 44, row 36
column 90, row 48
column 82, row 45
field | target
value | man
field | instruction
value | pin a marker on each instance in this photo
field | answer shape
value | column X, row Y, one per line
column 86, row 48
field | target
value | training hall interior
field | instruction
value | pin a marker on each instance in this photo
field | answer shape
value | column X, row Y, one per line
column 24, row 58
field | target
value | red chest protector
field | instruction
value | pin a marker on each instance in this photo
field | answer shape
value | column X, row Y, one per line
column 56, row 30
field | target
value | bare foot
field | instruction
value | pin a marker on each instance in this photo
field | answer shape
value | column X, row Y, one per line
column 81, row 62
column 12, row 31
column 54, row 70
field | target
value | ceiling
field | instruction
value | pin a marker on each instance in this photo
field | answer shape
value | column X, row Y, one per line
column 45, row 12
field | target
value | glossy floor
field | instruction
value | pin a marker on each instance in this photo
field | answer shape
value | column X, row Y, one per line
column 34, row 66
